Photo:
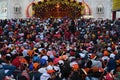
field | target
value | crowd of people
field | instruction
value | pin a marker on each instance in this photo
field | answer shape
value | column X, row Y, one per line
column 59, row 49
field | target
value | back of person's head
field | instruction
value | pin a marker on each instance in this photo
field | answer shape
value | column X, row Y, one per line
column 76, row 76
column 22, row 78
column 8, row 57
column 89, row 64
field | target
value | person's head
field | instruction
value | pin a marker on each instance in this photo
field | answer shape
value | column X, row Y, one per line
column 22, row 78
column 75, row 67
column 36, row 66
column 89, row 64
column 43, row 62
column 8, row 57
column 50, row 69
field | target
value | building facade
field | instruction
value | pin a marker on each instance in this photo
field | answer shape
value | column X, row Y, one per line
column 99, row 9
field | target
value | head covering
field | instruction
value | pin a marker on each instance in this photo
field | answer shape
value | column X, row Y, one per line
column 8, row 55
column 82, row 55
column 56, row 60
column 35, row 65
column 112, row 56
column 45, row 57
column 30, row 52
column 93, row 56
column 74, row 66
column 13, row 52
column 51, row 56
column 42, row 62
column 61, row 62
column 50, row 69
column 105, row 53
column 35, row 58
column 23, row 60
column 109, row 48
column 16, row 62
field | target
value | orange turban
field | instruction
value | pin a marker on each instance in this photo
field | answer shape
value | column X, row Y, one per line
column 105, row 53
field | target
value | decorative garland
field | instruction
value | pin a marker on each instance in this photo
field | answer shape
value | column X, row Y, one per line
column 53, row 2
column 49, row 5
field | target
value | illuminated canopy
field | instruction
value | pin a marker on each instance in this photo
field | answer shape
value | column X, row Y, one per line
column 57, row 8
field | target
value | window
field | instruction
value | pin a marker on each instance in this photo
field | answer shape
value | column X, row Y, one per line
column 17, row 9
column 3, row 8
column 100, row 9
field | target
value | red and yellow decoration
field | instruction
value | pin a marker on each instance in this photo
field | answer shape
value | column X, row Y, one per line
column 86, row 10
column 57, row 8
column 69, row 9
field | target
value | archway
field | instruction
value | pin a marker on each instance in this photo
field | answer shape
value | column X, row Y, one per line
column 87, row 10
column 57, row 8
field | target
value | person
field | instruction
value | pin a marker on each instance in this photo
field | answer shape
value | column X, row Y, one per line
column 75, row 72
column 35, row 75
column 2, row 72
column 49, row 75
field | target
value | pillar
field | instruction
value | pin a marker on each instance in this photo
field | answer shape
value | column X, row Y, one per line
column 113, row 15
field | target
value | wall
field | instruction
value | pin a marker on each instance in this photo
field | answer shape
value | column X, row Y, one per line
column 107, row 4
column 93, row 4
column 24, row 4
column 3, row 9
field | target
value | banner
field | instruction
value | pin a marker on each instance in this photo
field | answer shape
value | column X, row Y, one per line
column 116, row 5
